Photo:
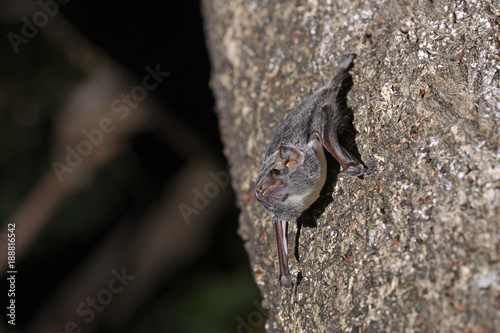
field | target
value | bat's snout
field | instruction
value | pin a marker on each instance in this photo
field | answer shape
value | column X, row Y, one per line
column 268, row 189
column 260, row 193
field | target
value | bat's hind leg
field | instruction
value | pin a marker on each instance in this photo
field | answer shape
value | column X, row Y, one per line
column 330, row 140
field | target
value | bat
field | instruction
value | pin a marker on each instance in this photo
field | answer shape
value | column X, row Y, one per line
column 293, row 172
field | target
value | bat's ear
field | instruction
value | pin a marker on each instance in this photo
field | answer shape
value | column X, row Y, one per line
column 290, row 157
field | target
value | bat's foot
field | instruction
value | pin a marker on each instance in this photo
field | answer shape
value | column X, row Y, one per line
column 346, row 60
column 358, row 170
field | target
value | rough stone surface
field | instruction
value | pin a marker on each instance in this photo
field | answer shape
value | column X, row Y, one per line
column 414, row 247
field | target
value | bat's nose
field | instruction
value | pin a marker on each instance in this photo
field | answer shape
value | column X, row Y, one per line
column 260, row 193
column 268, row 189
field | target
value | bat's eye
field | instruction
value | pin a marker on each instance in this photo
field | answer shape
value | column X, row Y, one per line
column 274, row 172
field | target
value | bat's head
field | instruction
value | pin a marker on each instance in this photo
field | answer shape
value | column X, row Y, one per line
column 293, row 181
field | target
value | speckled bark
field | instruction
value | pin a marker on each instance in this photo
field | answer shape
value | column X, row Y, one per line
column 414, row 247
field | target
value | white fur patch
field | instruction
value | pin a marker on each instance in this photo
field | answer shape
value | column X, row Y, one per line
column 320, row 153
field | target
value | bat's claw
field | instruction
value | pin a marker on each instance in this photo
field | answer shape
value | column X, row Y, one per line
column 358, row 170
column 286, row 281
column 346, row 60
column 368, row 171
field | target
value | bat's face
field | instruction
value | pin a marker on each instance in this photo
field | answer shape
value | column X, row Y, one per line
column 294, row 181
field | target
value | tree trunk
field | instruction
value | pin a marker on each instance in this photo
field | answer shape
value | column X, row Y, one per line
column 414, row 247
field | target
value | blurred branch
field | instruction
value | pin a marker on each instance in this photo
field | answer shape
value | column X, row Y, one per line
column 85, row 109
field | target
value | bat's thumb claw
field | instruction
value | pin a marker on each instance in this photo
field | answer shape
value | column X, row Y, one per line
column 346, row 60
column 286, row 281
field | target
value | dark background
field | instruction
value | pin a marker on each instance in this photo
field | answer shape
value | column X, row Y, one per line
column 211, row 291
